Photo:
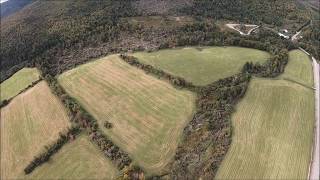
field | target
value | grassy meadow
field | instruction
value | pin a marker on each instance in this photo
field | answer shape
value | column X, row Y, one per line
column 147, row 114
column 79, row 159
column 32, row 120
column 299, row 68
column 273, row 127
column 18, row 82
column 202, row 66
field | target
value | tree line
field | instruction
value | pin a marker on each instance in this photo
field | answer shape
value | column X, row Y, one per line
column 83, row 121
column 149, row 69
column 5, row 102
column 215, row 103
column 52, row 149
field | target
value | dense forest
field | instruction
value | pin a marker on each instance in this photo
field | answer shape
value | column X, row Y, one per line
column 67, row 33
column 12, row 6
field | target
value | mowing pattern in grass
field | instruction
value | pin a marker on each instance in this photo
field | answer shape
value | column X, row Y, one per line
column 76, row 160
column 31, row 120
column 147, row 114
column 299, row 68
column 18, row 81
column 273, row 129
column 202, row 66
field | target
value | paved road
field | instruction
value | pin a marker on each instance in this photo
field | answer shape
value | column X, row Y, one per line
column 314, row 166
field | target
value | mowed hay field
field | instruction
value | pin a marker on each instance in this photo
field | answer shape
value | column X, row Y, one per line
column 18, row 82
column 205, row 65
column 299, row 68
column 272, row 129
column 148, row 114
column 79, row 159
column 32, row 120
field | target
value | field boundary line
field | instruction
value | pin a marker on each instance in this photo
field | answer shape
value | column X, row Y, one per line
column 313, row 172
column 6, row 102
column 299, row 83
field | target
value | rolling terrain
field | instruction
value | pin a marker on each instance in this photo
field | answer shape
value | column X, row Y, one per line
column 32, row 120
column 18, row 82
column 158, row 89
column 147, row 114
column 273, row 127
column 203, row 65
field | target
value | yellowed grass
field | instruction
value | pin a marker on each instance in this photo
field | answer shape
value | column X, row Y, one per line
column 76, row 160
column 32, row 120
column 148, row 115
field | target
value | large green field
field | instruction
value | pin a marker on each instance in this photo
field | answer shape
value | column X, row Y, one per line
column 18, row 82
column 202, row 66
column 76, row 160
column 147, row 114
column 30, row 121
column 273, row 127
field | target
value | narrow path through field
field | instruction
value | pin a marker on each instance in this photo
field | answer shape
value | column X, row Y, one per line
column 314, row 166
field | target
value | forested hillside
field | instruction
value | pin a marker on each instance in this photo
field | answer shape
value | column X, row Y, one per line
column 12, row 6
column 67, row 33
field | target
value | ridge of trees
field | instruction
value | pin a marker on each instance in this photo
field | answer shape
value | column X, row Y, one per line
column 273, row 12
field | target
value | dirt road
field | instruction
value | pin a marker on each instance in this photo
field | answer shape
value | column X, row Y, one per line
column 314, row 166
column 232, row 26
column 295, row 37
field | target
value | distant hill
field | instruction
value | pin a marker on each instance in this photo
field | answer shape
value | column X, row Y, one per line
column 12, row 6
column 67, row 33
